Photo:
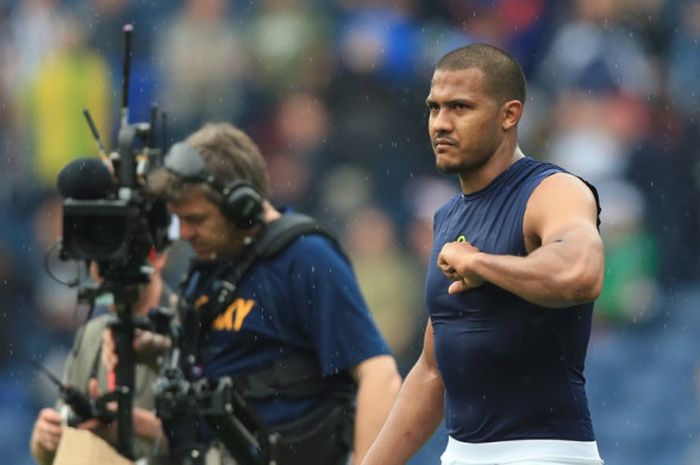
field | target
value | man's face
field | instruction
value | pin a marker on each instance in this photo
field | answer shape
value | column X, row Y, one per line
column 464, row 123
column 204, row 226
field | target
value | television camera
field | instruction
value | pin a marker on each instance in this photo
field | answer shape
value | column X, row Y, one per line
column 111, row 219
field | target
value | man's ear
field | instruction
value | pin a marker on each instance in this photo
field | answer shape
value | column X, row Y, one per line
column 512, row 111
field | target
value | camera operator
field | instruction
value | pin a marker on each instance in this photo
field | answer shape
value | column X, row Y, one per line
column 85, row 371
column 296, row 337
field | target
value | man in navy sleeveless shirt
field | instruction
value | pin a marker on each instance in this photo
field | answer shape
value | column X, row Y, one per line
column 517, row 263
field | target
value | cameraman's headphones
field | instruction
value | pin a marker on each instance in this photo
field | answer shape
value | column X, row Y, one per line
column 241, row 203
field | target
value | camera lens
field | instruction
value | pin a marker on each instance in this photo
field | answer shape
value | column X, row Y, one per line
column 97, row 230
column 98, row 238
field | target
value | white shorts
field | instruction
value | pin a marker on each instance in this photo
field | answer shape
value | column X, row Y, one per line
column 522, row 452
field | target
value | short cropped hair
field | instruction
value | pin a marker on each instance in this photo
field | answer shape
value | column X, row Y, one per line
column 230, row 155
column 503, row 73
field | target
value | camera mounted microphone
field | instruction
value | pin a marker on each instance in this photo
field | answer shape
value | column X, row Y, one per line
column 85, row 179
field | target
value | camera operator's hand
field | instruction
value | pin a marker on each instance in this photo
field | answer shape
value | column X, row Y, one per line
column 107, row 431
column 46, row 435
column 146, row 424
column 147, row 347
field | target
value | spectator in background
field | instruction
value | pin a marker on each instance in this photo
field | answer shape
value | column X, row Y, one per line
column 380, row 56
column 630, row 291
column 202, row 63
column 684, row 61
column 343, row 190
column 71, row 79
column 582, row 138
column 381, row 38
column 663, row 165
column 594, row 50
column 294, row 140
column 289, row 44
column 105, row 36
column 390, row 279
column 425, row 195
column 37, row 29
column 521, row 26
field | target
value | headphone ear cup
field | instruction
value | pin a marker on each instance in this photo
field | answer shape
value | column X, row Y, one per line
column 242, row 204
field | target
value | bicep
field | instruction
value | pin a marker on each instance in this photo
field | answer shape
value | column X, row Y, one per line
column 562, row 209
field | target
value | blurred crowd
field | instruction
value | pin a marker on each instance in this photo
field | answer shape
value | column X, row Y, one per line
column 333, row 92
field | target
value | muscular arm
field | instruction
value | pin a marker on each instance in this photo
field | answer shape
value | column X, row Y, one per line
column 379, row 381
column 416, row 413
column 564, row 265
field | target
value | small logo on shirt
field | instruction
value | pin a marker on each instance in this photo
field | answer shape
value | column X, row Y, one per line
column 232, row 318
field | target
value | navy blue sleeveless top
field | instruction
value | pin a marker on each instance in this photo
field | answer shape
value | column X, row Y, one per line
column 511, row 369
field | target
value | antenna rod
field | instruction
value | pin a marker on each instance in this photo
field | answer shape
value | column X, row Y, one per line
column 50, row 375
column 152, row 131
column 164, row 132
column 95, row 135
column 128, row 30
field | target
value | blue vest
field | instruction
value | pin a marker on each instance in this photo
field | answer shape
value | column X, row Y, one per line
column 511, row 369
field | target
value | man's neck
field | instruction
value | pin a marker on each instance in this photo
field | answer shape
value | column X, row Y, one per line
column 485, row 174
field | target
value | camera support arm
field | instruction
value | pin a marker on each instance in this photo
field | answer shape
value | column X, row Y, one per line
column 123, row 332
